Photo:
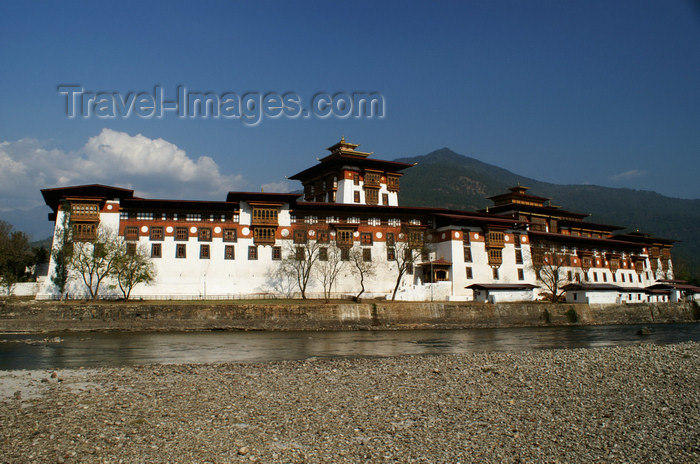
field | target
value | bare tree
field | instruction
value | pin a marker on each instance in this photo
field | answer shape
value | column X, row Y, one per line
column 406, row 253
column 95, row 260
column 280, row 280
column 62, row 252
column 299, row 261
column 329, row 265
column 132, row 267
column 15, row 256
column 549, row 263
column 361, row 268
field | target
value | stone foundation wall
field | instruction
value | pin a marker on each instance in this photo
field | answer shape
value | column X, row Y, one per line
column 23, row 316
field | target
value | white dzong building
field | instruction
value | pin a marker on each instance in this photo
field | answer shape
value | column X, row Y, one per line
column 350, row 201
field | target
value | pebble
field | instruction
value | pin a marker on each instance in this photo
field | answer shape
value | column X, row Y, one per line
column 619, row 404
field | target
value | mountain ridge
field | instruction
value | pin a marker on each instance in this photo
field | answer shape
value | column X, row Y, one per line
column 448, row 179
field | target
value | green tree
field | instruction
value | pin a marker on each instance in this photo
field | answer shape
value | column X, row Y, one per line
column 15, row 256
column 62, row 251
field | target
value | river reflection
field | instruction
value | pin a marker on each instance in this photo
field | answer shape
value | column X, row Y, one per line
column 122, row 349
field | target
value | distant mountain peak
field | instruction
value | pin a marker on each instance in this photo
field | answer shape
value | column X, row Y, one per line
column 448, row 179
column 443, row 154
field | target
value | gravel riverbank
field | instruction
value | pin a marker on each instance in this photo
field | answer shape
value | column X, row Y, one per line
column 625, row 404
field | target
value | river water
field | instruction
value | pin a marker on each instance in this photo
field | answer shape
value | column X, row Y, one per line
column 71, row 350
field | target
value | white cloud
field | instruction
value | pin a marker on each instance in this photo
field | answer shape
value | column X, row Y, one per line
column 154, row 168
column 631, row 174
column 279, row 187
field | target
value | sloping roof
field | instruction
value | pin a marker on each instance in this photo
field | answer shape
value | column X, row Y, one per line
column 53, row 196
column 588, row 225
column 188, row 205
column 579, row 239
column 599, row 287
column 674, row 286
column 437, row 262
column 335, row 161
column 513, row 286
column 553, row 211
column 262, row 196
column 645, row 239
column 468, row 218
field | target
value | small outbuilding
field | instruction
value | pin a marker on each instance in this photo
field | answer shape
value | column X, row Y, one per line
column 677, row 290
column 592, row 293
column 503, row 293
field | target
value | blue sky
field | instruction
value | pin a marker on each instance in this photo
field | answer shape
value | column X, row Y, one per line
column 603, row 92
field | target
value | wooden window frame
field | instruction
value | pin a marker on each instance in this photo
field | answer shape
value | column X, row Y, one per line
column 467, row 253
column 182, row 234
column 204, row 251
column 322, row 236
column 230, row 235
column 518, row 256
column 253, row 253
column 131, row 233
column 416, row 239
column 156, row 250
column 181, row 251
column 276, row 253
column 301, row 237
column 156, row 234
column 229, row 252
column 204, row 234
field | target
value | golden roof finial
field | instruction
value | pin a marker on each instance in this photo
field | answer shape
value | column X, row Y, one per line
column 262, row 189
column 342, row 139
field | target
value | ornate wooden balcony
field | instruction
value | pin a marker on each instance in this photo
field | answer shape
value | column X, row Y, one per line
column 265, row 217
column 495, row 257
column 495, row 239
column 85, row 211
column 372, row 180
column 392, row 183
column 264, row 235
column 84, row 231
